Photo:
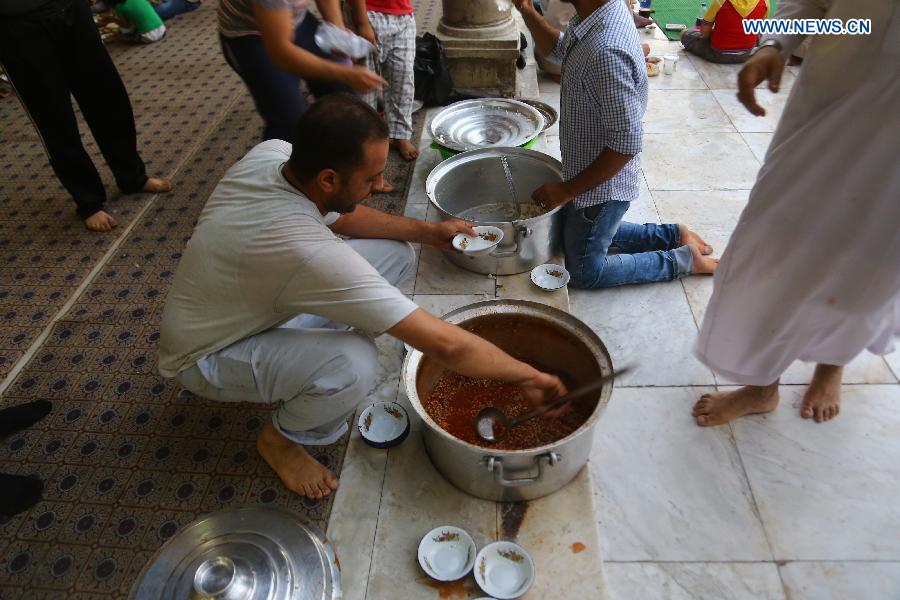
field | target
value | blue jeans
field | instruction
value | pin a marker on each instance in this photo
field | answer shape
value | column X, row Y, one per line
column 647, row 252
column 170, row 8
column 277, row 92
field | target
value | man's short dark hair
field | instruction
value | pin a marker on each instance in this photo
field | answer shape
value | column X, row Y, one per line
column 332, row 135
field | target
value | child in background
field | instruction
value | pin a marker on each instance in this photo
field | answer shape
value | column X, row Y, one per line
column 394, row 23
column 145, row 25
column 721, row 38
column 145, row 19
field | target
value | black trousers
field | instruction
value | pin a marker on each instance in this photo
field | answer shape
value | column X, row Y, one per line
column 55, row 52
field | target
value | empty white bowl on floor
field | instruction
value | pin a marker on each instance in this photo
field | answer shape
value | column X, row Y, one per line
column 383, row 424
column 447, row 553
column 504, row 570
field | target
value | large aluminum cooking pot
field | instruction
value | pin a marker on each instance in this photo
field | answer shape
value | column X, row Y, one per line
column 574, row 352
column 473, row 186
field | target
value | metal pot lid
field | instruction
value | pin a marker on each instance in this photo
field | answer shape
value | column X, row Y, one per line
column 486, row 122
column 549, row 113
column 250, row 553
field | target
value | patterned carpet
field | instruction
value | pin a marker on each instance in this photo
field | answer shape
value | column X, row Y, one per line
column 126, row 456
column 45, row 252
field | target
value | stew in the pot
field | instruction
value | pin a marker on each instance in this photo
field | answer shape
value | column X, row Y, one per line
column 455, row 401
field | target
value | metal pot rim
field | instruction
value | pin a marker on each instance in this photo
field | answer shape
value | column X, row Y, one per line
column 414, row 358
column 448, row 165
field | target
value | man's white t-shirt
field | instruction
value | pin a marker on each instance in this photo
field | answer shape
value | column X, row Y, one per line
column 261, row 254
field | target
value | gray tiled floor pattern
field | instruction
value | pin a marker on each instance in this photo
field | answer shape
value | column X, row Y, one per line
column 771, row 506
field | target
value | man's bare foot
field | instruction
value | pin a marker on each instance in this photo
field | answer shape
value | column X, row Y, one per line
column 722, row 407
column 690, row 238
column 158, row 186
column 703, row 265
column 822, row 400
column 406, row 149
column 100, row 221
column 383, row 187
column 298, row 471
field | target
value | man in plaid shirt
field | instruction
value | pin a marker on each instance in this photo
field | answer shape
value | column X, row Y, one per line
column 602, row 101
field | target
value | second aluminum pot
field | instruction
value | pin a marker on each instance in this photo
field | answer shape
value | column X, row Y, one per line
column 473, row 186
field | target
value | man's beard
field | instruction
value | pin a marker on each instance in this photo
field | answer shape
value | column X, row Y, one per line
column 342, row 204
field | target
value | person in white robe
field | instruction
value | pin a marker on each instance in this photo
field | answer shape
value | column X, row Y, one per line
column 812, row 271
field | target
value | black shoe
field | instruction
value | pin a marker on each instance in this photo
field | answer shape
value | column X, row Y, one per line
column 18, row 493
column 14, row 418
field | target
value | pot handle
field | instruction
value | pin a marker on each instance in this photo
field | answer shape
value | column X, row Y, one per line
column 495, row 465
column 522, row 231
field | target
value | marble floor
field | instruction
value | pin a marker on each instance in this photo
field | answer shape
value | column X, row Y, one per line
column 771, row 506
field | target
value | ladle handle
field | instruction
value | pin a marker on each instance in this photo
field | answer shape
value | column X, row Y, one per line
column 586, row 390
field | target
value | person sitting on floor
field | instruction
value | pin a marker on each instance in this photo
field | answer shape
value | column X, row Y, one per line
column 269, row 305
column 603, row 97
column 721, row 37
column 138, row 21
column 142, row 21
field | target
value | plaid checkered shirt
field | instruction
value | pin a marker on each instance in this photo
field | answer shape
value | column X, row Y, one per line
column 603, row 98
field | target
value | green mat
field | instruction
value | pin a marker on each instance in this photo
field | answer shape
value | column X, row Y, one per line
column 684, row 12
column 675, row 11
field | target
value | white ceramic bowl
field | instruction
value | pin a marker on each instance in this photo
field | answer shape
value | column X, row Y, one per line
column 550, row 277
column 488, row 238
column 504, row 570
column 383, row 424
column 447, row 553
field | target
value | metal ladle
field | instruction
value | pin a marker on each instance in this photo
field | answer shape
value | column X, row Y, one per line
column 492, row 425
column 512, row 188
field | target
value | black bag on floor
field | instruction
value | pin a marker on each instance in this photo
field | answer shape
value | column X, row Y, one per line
column 433, row 84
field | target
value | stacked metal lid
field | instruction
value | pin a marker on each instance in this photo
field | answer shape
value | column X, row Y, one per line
column 250, row 553
column 485, row 123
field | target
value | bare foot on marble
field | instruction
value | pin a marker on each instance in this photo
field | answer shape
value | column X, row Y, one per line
column 822, row 400
column 722, row 407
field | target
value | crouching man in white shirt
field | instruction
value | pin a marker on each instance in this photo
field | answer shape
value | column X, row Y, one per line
column 269, row 305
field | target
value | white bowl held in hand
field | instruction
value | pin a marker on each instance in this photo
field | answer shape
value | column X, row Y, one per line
column 488, row 238
column 504, row 570
column 447, row 553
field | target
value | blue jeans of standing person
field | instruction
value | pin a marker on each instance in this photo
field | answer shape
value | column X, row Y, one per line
column 170, row 8
column 648, row 252
column 275, row 91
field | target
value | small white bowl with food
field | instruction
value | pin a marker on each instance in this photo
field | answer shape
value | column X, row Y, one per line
column 550, row 277
column 488, row 238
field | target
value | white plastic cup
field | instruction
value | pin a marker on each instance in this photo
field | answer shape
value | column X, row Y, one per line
column 668, row 65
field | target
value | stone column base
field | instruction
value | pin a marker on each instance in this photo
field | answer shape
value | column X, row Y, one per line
column 482, row 58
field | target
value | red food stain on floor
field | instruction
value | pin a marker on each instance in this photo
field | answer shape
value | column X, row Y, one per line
column 449, row 590
column 578, row 547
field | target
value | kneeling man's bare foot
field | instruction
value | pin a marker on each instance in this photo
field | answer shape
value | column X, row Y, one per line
column 690, row 238
column 100, row 221
column 720, row 408
column 298, row 471
column 703, row 265
column 822, row 400
column 158, row 186
column 406, row 149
